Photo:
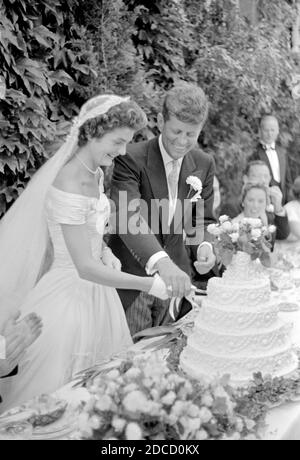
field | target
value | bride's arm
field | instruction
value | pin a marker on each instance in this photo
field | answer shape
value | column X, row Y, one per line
column 77, row 242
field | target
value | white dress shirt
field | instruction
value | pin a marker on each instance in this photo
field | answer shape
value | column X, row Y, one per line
column 167, row 160
column 274, row 161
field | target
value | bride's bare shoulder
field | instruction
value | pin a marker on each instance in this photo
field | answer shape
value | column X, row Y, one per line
column 68, row 179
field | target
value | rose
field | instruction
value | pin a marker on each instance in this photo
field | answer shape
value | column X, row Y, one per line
column 255, row 233
column 213, row 229
column 234, row 237
column 223, row 218
column 226, row 226
column 205, row 414
column 118, row 424
column 136, row 401
column 169, row 398
column 133, row 432
column 104, row 403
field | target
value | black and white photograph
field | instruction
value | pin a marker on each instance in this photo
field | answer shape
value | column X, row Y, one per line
column 149, row 222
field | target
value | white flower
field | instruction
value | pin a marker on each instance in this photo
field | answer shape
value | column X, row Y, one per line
column 207, row 400
column 118, row 424
column 201, row 435
column 136, row 401
column 250, row 424
column 234, row 237
column 226, row 226
column 235, row 227
column 133, row 432
column 130, row 387
column 179, row 408
column 205, row 414
column 169, row 398
column 256, row 233
column 214, row 229
column 95, row 422
column 223, row 218
column 191, row 425
column 113, row 374
column 104, row 403
column 193, row 410
column 272, row 228
column 133, row 373
column 196, row 184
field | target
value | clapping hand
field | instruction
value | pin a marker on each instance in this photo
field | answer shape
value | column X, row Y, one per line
column 206, row 259
column 110, row 260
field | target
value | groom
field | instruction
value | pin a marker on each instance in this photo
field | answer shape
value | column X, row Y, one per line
column 153, row 177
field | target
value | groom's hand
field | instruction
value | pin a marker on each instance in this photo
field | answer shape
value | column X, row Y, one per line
column 177, row 281
column 206, row 259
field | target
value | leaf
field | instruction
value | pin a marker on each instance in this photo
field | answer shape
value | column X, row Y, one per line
column 61, row 77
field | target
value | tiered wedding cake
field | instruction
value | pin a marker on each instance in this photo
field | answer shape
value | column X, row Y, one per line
column 238, row 331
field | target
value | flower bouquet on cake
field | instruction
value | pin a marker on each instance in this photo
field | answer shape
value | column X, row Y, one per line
column 238, row 330
column 248, row 235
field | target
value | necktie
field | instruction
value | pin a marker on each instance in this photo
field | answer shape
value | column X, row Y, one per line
column 173, row 179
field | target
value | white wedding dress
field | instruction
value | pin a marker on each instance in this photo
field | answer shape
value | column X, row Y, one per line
column 83, row 322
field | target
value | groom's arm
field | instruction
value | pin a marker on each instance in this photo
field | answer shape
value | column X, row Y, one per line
column 126, row 178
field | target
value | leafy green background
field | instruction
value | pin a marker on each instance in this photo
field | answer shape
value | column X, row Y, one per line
column 55, row 54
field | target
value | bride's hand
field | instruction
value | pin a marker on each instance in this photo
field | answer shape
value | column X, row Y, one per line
column 110, row 260
column 158, row 288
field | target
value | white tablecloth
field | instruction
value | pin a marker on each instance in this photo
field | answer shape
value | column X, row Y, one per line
column 283, row 423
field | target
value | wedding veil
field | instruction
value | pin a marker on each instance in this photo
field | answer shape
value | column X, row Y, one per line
column 23, row 230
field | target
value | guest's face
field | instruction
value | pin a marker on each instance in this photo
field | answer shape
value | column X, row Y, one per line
column 105, row 149
column 255, row 203
column 178, row 138
column 269, row 130
column 259, row 174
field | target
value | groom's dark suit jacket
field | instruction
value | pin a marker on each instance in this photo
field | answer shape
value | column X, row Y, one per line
column 141, row 173
column 285, row 173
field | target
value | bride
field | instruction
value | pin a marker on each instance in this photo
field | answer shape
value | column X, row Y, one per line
column 64, row 211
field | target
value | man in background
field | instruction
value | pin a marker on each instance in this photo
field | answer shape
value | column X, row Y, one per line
column 273, row 155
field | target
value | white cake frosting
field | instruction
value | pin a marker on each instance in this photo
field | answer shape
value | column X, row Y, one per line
column 238, row 331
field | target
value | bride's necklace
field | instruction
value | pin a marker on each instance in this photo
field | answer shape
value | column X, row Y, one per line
column 86, row 166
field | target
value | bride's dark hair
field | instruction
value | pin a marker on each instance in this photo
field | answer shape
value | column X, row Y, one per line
column 125, row 115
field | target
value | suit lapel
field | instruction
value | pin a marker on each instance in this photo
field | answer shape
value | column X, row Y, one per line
column 155, row 171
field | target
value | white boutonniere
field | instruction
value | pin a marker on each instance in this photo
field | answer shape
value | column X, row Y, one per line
column 195, row 184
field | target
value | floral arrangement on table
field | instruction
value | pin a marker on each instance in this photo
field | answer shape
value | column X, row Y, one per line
column 144, row 399
column 249, row 236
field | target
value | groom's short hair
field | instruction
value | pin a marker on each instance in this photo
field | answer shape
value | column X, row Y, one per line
column 187, row 102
